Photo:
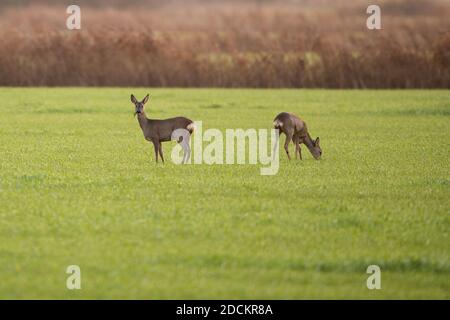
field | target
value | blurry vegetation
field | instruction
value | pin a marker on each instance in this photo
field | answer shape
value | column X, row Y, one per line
column 226, row 44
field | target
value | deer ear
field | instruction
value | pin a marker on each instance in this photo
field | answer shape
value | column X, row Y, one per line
column 317, row 141
column 133, row 99
column 145, row 99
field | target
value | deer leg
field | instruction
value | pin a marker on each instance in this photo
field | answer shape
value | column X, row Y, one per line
column 155, row 145
column 298, row 148
column 183, row 141
column 277, row 143
column 186, row 149
column 185, row 154
column 188, row 154
column 300, row 141
column 286, row 144
column 295, row 141
column 161, row 151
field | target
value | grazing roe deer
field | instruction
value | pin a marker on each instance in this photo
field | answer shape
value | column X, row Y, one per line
column 295, row 129
column 158, row 131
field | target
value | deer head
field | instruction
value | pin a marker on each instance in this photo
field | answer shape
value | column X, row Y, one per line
column 139, row 105
column 316, row 151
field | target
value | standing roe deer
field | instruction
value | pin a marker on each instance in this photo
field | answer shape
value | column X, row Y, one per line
column 158, row 131
column 295, row 129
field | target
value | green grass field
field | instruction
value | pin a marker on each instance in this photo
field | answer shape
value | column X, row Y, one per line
column 79, row 185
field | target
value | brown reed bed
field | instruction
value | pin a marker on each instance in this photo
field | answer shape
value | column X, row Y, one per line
column 233, row 45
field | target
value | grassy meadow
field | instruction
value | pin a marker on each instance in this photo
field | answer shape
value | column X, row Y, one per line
column 79, row 185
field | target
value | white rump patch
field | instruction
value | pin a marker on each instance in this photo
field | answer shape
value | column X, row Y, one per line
column 278, row 123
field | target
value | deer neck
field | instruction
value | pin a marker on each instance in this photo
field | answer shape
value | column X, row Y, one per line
column 143, row 121
column 309, row 143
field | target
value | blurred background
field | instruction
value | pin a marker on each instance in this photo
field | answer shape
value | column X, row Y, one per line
column 206, row 43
